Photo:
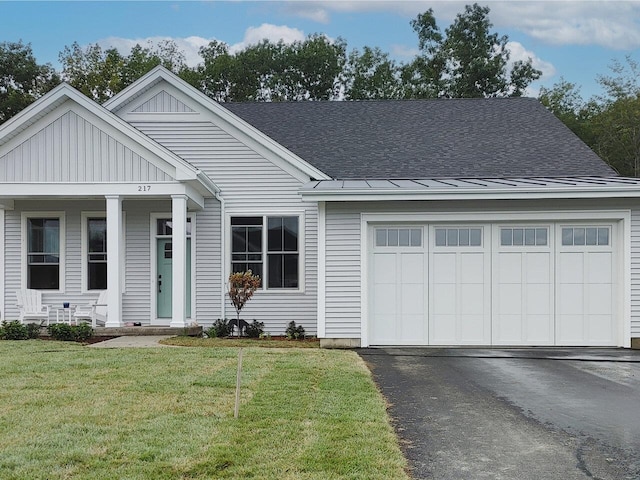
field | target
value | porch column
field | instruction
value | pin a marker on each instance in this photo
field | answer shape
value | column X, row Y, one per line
column 114, row 262
column 179, row 260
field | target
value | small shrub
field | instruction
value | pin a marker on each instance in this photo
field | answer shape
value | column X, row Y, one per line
column 254, row 329
column 13, row 331
column 70, row 333
column 294, row 332
column 220, row 328
column 33, row 330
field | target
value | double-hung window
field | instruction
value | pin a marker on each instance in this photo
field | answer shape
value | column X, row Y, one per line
column 43, row 253
column 269, row 246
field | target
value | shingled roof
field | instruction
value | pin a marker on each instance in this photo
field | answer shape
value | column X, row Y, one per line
column 408, row 139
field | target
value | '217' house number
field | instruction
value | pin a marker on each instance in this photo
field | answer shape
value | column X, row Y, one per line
column 144, row 188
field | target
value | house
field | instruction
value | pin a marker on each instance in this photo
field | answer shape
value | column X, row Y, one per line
column 435, row 222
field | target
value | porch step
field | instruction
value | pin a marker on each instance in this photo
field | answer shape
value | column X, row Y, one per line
column 137, row 331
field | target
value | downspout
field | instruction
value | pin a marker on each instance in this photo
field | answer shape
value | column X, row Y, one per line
column 223, row 259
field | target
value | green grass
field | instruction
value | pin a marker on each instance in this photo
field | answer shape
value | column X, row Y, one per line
column 184, row 341
column 70, row 411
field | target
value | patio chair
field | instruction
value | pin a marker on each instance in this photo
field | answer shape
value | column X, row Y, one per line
column 95, row 312
column 30, row 306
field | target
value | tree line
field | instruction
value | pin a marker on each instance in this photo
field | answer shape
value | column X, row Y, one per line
column 465, row 60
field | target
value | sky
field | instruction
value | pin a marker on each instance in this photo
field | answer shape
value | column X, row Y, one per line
column 573, row 40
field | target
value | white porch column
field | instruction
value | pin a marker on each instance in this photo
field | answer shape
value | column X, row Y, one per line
column 114, row 262
column 179, row 260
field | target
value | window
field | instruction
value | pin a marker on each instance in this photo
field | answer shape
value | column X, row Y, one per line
column 523, row 236
column 585, row 236
column 458, row 237
column 269, row 247
column 398, row 237
column 96, row 253
column 43, row 253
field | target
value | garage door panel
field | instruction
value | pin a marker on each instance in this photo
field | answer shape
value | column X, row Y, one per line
column 571, row 299
column 443, row 330
column 444, row 299
column 600, row 329
column 570, row 330
column 472, row 299
column 384, row 264
column 444, row 268
column 538, row 267
column 599, row 299
column 510, row 267
column 510, row 299
column 508, row 329
column 599, row 267
column 412, row 268
column 571, row 267
column 539, row 330
column 412, row 299
column 539, row 299
column 384, row 298
column 472, row 268
column 472, row 329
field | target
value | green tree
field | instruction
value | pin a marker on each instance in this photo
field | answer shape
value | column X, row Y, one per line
column 22, row 79
column 468, row 61
column 371, row 75
column 617, row 125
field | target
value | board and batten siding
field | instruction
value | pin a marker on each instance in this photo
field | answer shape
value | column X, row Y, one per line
column 72, row 149
column 249, row 183
column 163, row 102
column 342, row 271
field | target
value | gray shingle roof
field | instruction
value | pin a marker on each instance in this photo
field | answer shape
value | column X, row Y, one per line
column 394, row 139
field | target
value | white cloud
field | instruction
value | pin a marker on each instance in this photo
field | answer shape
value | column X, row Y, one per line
column 610, row 24
column 267, row 31
column 518, row 52
column 403, row 52
column 191, row 45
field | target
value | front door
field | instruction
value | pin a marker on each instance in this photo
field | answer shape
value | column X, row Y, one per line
column 164, row 280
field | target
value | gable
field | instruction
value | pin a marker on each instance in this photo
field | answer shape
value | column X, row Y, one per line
column 68, row 147
column 163, row 102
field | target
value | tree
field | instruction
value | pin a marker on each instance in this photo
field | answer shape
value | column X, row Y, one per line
column 617, row 125
column 242, row 285
column 100, row 74
column 22, row 79
column 469, row 61
column 371, row 75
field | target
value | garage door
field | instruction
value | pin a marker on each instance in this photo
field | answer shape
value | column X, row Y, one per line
column 493, row 284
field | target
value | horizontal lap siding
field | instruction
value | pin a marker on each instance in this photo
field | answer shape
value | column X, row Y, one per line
column 343, row 290
column 72, row 268
column 249, row 183
column 635, row 273
column 208, row 277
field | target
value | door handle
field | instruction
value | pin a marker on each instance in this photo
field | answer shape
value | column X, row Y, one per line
column 160, row 284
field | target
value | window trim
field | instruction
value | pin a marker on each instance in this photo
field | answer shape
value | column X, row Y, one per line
column 84, row 215
column 61, row 216
column 301, row 246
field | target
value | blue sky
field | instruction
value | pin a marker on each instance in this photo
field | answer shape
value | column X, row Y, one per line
column 576, row 40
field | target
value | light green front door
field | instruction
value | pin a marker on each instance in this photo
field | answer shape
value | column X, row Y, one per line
column 164, row 281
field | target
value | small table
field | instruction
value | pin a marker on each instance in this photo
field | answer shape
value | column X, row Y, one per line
column 65, row 313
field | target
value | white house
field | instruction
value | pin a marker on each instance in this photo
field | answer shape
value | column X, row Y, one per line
column 435, row 222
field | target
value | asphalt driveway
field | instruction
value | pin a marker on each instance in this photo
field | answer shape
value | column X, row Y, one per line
column 514, row 414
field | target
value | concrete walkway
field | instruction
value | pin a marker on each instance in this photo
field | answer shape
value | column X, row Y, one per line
column 134, row 341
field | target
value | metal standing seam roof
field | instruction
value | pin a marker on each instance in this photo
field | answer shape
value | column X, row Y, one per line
column 500, row 187
column 414, row 139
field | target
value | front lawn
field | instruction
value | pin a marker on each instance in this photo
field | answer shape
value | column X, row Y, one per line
column 70, row 411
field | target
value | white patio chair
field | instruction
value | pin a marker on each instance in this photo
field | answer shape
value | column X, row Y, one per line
column 30, row 306
column 95, row 312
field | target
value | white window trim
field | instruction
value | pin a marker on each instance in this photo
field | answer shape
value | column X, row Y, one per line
column 301, row 247
column 25, row 247
column 153, row 260
column 84, row 251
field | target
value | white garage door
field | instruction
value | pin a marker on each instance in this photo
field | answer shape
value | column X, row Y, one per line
column 493, row 284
